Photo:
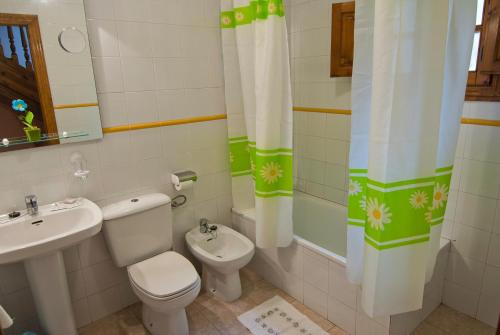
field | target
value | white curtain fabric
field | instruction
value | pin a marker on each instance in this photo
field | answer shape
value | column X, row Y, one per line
column 409, row 78
column 259, row 107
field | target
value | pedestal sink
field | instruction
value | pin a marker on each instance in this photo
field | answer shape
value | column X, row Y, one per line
column 38, row 240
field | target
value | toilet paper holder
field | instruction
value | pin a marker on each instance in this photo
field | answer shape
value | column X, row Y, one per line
column 183, row 176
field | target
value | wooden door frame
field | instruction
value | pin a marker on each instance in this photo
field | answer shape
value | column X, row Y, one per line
column 38, row 60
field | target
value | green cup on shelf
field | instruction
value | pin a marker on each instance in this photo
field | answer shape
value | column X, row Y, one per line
column 33, row 134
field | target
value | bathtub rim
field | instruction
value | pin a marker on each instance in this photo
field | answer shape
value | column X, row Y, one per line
column 249, row 214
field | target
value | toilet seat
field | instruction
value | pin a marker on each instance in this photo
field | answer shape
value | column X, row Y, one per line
column 166, row 276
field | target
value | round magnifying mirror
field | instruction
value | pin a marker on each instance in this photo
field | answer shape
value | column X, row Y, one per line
column 72, row 40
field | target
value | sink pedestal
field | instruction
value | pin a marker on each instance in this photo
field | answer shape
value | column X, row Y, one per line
column 49, row 286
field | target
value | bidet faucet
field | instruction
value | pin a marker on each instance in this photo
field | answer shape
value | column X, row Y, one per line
column 31, row 204
column 203, row 226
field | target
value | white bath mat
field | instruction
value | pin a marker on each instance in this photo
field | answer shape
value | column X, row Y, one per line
column 278, row 317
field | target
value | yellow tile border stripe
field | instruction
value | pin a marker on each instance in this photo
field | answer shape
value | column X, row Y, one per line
column 165, row 123
column 464, row 120
column 322, row 110
column 68, row 106
column 481, row 122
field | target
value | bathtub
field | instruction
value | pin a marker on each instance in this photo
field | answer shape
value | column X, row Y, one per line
column 312, row 268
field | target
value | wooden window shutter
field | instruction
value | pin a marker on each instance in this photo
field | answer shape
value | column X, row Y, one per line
column 342, row 47
column 490, row 62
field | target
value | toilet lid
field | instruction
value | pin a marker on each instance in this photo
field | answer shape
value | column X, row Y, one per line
column 164, row 274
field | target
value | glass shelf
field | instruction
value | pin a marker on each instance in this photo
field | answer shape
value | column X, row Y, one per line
column 13, row 141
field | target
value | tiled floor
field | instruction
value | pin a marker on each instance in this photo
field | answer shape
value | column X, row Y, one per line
column 447, row 321
column 208, row 316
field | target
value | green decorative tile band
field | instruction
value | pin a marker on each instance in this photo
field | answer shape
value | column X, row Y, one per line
column 256, row 10
column 272, row 169
column 397, row 213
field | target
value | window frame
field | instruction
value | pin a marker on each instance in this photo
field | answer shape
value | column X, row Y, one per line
column 483, row 86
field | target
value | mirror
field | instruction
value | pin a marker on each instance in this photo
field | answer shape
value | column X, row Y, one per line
column 47, row 88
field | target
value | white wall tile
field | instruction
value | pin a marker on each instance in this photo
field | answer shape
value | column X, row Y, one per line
column 481, row 178
column 367, row 326
column 315, row 270
column 316, row 299
column 496, row 228
column 465, row 272
column 131, row 10
column 12, row 278
column 483, row 143
column 341, row 315
column 141, row 107
column 103, row 38
column 471, row 242
column 81, row 312
column 475, row 211
column 108, row 74
column 104, row 303
column 98, row 9
column 494, row 251
column 138, row 74
column 101, row 276
column 489, row 309
column 135, row 39
column 339, row 286
column 460, row 298
column 491, row 279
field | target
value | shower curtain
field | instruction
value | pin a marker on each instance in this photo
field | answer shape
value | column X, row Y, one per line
column 259, row 110
column 409, row 79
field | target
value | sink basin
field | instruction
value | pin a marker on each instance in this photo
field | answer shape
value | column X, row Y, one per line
column 38, row 240
column 49, row 231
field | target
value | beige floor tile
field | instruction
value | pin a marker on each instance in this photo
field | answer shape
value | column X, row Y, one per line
column 456, row 323
column 337, row 331
column 427, row 329
column 315, row 317
column 208, row 315
column 121, row 323
column 250, row 274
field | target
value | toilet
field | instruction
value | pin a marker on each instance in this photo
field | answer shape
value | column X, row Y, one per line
column 223, row 252
column 138, row 233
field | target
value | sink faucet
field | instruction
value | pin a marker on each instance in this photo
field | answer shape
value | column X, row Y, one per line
column 31, row 204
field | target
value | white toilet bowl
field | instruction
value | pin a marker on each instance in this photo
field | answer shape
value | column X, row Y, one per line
column 139, row 235
column 166, row 284
column 222, row 255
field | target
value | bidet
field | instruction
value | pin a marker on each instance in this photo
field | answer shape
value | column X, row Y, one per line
column 222, row 254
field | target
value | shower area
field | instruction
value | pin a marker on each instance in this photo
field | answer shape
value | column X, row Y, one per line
column 313, row 268
column 321, row 133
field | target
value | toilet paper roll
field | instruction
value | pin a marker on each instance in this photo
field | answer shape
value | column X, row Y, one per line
column 184, row 185
column 5, row 319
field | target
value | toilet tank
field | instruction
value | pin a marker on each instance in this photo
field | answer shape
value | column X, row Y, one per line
column 138, row 228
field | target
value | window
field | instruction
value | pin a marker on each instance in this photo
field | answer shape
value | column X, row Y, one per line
column 342, row 39
column 484, row 70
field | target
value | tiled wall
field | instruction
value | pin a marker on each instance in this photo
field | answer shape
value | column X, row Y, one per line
column 321, row 141
column 473, row 219
column 319, row 280
column 321, row 148
column 152, row 62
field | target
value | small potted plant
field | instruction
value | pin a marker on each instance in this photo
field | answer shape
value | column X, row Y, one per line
column 33, row 133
